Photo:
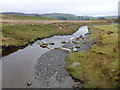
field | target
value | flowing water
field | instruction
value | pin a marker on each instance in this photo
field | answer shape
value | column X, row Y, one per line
column 18, row 67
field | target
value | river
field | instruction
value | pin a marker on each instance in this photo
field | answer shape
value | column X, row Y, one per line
column 18, row 67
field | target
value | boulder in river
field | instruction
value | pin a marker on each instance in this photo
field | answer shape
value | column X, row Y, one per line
column 77, row 38
column 63, row 42
column 75, row 49
column 51, row 43
column 66, row 49
column 77, row 46
column 71, row 38
column 75, row 42
column 43, row 45
column 49, row 47
column 81, row 36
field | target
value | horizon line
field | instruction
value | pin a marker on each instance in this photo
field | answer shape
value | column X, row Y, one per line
column 59, row 13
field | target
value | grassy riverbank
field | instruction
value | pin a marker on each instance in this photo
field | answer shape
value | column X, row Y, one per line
column 17, row 35
column 20, row 30
column 98, row 66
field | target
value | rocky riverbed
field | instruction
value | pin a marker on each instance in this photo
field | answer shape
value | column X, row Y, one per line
column 50, row 71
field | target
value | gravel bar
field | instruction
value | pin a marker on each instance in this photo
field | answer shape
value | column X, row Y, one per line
column 50, row 71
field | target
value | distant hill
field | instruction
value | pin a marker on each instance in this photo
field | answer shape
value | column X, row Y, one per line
column 108, row 17
column 62, row 16
column 24, row 16
column 17, row 13
column 13, row 13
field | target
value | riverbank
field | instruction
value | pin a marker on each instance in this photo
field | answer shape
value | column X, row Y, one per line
column 18, row 35
column 15, row 36
column 18, row 30
column 98, row 67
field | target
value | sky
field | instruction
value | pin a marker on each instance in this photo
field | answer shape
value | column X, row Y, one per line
column 77, row 7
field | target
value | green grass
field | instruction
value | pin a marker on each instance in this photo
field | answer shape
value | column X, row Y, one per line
column 25, row 17
column 99, row 65
column 17, row 35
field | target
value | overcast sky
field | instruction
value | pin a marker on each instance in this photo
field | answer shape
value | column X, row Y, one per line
column 77, row 7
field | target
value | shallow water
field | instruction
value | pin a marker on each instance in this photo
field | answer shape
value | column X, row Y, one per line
column 18, row 67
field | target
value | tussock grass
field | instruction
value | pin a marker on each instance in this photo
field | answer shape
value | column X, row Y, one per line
column 17, row 35
column 99, row 65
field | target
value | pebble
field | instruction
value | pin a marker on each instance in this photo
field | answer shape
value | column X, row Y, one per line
column 60, row 27
column 29, row 84
column 51, row 43
column 36, row 78
column 77, row 46
column 63, row 42
column 43, row 45
column 113, row 70
column 76, row 64
column 75, row 49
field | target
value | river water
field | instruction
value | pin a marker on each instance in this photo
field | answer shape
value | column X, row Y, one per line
column 18, row 67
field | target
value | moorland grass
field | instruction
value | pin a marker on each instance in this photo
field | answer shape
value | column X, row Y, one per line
column 22, row 34
column 99, row 65
column 17, row 35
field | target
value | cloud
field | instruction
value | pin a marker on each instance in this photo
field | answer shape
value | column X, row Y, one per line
column 78, row 7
